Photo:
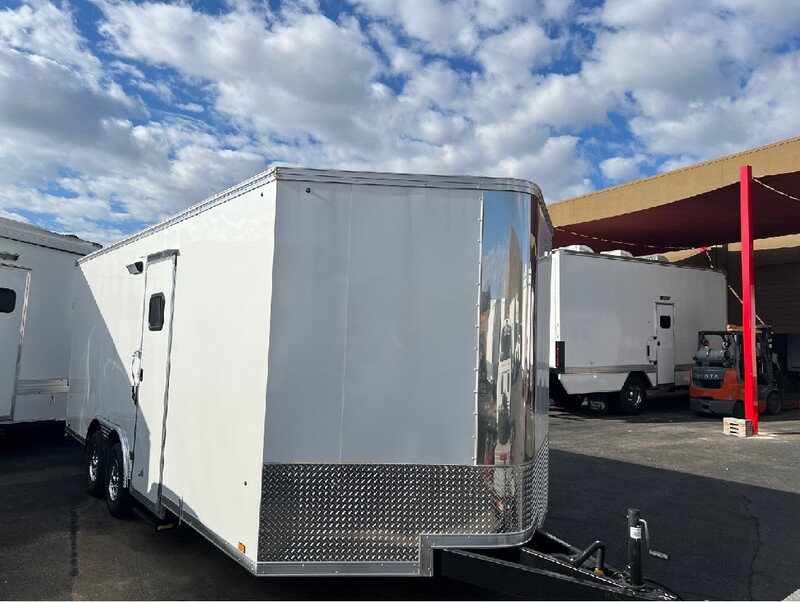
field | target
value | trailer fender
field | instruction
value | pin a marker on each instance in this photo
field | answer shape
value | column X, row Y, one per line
column 647, row 378
column 113, row 434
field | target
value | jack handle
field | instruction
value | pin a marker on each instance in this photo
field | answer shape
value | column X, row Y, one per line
column 638, row 536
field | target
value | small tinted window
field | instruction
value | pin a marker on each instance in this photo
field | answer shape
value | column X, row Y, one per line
column 155, row 314
column 8, row 300
column 665, row 321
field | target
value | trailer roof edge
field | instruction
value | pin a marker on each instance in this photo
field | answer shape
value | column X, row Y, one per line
column 335, row 176
column 41, row 237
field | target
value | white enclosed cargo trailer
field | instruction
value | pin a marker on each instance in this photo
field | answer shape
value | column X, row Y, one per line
column 37, row 268
column 292, row 367
column 621, row 325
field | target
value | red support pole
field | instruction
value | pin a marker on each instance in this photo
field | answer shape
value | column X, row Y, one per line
column 749, row 298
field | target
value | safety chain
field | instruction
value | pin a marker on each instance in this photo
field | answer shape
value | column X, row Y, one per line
column 789, row 196
column 730, row 288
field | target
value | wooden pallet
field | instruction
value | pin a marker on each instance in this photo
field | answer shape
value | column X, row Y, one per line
column 738, row 427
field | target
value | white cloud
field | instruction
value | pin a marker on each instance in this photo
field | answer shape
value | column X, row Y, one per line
column 40, row 28
column 297, row 74
column 444, row 27
column 557, row 167
column 14, row 216
column 511, row 55
column 621, row 169
column 764, row 111
column 191, row 107
column 568, row 101
column 186, row 103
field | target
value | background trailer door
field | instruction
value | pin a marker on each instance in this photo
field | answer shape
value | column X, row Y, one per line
column 665, row 343
column 14, row 284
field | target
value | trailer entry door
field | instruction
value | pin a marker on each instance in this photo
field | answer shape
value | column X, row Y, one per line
column 665, row 343
column 14, row 285
column 153, row 376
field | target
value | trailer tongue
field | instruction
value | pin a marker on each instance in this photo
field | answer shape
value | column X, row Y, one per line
column 548, row 568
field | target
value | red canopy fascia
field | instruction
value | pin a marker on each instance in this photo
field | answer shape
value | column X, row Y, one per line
column 710, row 218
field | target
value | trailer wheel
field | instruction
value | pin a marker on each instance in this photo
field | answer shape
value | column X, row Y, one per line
column 633, row 395
column 118, row 498
column 96, row 464
column 738, row 410
column 774, row 403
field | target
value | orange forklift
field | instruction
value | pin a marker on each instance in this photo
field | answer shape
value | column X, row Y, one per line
column 717, row 378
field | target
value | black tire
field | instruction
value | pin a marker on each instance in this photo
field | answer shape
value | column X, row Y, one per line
column 118, row 498
column 96, row 465
column 632, row 397
column 738, row 410
column 774, row 403
column 573, row 402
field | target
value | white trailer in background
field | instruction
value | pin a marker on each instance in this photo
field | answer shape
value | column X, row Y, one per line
column 622, row 325
column 37, row 268
column 292, row 367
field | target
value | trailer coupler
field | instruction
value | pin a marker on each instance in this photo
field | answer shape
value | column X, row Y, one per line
column 548, row 568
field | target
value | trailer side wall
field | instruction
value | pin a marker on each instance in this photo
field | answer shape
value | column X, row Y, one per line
column 213, row 431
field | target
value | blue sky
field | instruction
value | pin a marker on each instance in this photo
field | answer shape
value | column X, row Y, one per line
column 116, row 114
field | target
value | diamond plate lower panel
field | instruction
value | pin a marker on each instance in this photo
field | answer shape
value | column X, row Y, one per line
column 377, row 512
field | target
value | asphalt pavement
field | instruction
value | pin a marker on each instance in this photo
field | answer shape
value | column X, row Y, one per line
column 723, row 507
column 58, row 543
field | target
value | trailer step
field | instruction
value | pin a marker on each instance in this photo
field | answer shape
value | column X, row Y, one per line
column 159, row 524
column 738, row 427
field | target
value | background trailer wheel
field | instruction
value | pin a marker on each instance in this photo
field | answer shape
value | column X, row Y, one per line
column 632, row 397
column 96, row 464
column 118, row 498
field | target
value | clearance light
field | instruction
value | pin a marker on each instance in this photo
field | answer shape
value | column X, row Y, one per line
column 241, row 547
column 560, row 357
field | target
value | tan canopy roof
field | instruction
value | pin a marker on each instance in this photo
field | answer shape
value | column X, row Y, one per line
column 696, row 206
